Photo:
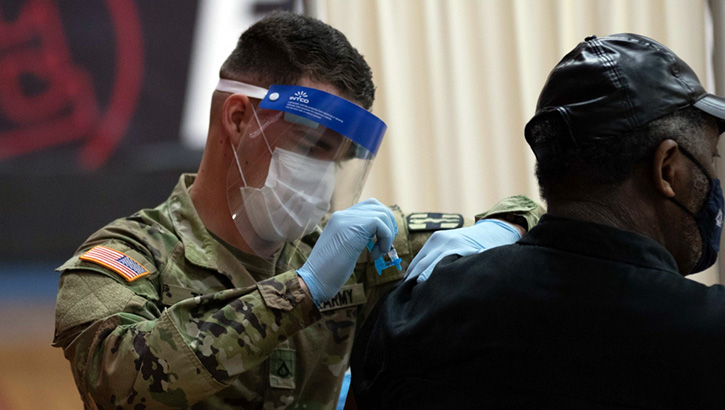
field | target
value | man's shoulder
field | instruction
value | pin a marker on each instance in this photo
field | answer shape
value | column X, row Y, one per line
column 414, row 229
column 128, row 248
column 417, row 227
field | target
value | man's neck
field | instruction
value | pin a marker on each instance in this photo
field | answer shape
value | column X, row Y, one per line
column 210, row 201
column 592, row 211
column 619, row 208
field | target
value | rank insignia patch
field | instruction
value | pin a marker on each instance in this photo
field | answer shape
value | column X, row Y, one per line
column 116, row 261
column 282, row 369
column 433, row 221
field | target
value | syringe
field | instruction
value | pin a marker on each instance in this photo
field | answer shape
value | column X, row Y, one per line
column 393, row 259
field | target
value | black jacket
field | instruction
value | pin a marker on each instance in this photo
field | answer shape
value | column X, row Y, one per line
column 574, row 315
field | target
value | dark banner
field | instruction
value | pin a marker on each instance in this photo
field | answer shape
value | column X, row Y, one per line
column 92, row 94
column 91, row 97
column 85, row 83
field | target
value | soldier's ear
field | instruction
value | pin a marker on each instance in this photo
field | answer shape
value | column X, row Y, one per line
column 667, row 169
column 236, row 113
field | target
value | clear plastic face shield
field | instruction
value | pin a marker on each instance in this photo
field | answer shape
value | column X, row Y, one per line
column 305, row 153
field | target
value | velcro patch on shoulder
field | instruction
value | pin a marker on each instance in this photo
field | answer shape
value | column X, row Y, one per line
column 116, row 261
column 433, row 221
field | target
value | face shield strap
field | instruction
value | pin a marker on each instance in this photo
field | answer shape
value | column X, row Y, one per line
column 238, row 87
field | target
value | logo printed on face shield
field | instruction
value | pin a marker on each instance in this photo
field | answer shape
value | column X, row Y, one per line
column 300, row 96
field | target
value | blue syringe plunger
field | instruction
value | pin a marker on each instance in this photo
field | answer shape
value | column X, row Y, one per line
column 393, row 259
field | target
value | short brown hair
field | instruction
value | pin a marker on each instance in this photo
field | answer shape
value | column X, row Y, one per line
column 284, row 47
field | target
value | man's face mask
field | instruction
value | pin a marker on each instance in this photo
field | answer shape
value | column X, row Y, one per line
column 709, row 219
column 294, row 198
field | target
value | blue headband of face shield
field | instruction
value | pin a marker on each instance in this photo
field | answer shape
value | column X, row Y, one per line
column 312, row 106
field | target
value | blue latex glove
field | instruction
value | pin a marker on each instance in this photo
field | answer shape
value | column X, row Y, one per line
column 485, row 234
column 345, row 236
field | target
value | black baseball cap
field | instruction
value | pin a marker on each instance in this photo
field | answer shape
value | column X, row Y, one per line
column 610, row 86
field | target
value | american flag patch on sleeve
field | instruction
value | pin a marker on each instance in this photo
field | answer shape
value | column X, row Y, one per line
column 116, row 261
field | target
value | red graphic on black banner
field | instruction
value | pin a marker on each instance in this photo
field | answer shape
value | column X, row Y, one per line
column 62, row 105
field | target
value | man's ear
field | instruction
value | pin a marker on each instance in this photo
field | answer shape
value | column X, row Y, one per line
column 236, row 112
column 666, row 167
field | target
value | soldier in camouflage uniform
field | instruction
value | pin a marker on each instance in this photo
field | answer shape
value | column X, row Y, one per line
column 168, row 308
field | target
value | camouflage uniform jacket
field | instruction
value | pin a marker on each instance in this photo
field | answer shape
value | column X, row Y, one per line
column 204, row 329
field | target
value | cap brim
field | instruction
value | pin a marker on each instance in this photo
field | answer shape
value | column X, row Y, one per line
column 715, row 106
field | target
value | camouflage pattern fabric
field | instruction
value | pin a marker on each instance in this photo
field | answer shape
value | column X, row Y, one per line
column 208, row 327
column 516, row 209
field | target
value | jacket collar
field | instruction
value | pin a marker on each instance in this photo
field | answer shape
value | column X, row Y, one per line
column 600, row 241
column 200, row 248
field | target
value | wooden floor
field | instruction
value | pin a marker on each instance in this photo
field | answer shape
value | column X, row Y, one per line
column 33, row 375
